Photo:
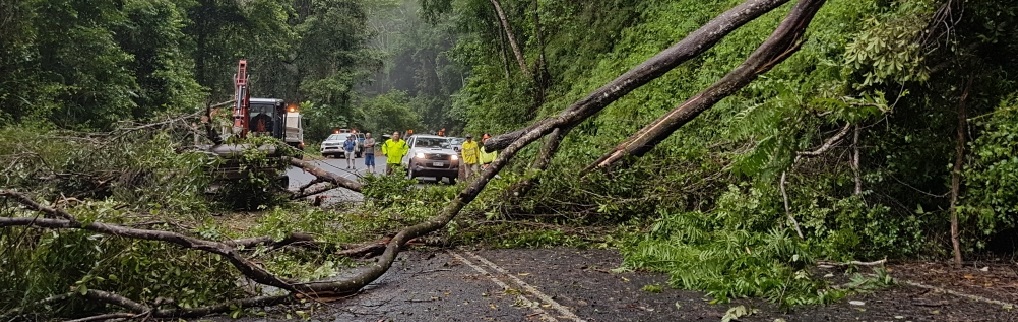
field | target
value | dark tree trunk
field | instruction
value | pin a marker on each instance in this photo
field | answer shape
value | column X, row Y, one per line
column 959, row 158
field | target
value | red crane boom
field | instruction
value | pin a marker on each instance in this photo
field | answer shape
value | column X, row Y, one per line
column 243, row 99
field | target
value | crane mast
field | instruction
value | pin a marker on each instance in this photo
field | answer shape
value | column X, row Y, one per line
column 242, row 96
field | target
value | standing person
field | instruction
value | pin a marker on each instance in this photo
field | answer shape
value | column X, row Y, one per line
column 369, row 152
column 350, row 150
column 470, row 154
column 487, row 157
column 393, row 149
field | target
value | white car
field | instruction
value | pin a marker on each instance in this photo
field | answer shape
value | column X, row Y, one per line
column 457, row 143
column 431, row 156
column 333, row 145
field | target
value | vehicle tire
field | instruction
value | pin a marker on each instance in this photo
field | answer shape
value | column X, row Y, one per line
column 410, row 174
column 452, row 180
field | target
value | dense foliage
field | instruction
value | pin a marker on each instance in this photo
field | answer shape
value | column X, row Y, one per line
column 855, row 139
column 894, row 74
column 89, row 64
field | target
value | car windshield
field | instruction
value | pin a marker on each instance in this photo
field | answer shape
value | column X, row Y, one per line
column 455, row 141
column 337, row 137
column 433, row 143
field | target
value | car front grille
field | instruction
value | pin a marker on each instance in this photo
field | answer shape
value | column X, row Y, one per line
column 436, row 156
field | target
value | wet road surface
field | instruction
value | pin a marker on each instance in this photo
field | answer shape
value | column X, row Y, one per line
column 575, row 285
column 580, row 285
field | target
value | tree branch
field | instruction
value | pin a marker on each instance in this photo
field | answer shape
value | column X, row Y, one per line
column 782, row 43
column 694, row 44
column 827, row 145
column 788, row 211
column 325, row 176
column 855, row 160
column 293, row 238
column 318, row 190
column 31, row 204
column 245, row 266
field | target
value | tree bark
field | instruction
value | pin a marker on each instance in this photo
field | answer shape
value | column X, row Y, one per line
column 694, row 44
column 959, row 158
column 855, row 160
column 326, row 176
column 785, row 41
column 517, row 52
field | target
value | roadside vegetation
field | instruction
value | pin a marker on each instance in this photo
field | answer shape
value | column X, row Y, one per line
column 883, row 131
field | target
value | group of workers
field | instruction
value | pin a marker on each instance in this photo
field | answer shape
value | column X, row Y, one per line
column 474, row 156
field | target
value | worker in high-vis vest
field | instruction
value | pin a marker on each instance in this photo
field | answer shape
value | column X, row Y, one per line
column 486, row 157
column 470, row 153
column 394, row 149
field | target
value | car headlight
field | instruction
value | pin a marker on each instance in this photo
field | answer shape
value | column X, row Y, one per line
column 419, row 155
column 454, row 157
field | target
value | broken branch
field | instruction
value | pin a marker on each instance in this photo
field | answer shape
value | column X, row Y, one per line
column 694, row 44
column 782, row 43
column 827, row 145
column 325, row 176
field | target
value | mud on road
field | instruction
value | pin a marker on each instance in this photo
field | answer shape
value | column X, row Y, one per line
column 579, row 285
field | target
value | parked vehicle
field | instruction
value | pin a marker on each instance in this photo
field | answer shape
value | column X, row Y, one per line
column 456, row 143
column 358, row 136
column 431, row 156
column 333, row 146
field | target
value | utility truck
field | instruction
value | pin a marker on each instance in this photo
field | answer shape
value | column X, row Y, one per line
column 253, row 117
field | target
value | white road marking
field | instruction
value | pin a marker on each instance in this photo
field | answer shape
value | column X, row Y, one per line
column 563, row 311
column 505, row 286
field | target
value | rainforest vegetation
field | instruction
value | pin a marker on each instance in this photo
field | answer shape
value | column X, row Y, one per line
column 732, row 160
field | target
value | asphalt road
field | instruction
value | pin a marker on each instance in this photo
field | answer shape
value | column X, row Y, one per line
column 568, row 285
column 461, row 284
column 299, row 177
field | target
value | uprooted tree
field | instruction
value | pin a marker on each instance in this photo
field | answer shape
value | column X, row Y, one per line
column 785, row 40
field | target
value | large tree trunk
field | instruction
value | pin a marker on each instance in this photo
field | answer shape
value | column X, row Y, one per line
column 959, row 158
column 786, row 40
column 517, row 52
column 696, row 43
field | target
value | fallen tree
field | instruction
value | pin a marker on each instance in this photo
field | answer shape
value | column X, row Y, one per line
column 777, row 47
column 785, row 41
